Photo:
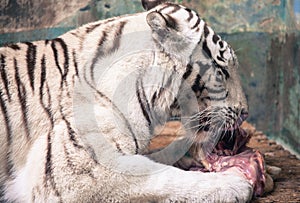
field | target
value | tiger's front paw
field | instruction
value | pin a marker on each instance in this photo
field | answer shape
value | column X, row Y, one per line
column 230, row 186
column 235, row 187
column 227, row 187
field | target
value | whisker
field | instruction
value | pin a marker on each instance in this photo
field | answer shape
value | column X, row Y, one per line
column 237, row 50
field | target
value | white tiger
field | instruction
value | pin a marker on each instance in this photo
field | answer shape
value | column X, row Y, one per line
column 78, row 112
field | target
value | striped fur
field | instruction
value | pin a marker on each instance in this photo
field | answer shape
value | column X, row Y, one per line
column 77, row 112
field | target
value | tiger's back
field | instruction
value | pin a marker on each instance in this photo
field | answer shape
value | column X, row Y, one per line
column 37, row 81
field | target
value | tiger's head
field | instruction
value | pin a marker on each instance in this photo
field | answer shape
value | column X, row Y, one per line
column 210, row 65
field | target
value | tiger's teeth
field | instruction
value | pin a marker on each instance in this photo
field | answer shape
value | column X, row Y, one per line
column 206, row 164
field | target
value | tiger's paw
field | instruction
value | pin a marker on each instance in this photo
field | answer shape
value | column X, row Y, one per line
column 236, row 188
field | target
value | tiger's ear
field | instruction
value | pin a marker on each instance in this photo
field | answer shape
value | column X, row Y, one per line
column 158, row 21
column 149, row 4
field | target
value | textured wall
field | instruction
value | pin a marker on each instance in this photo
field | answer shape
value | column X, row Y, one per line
column 24, row 15
column 247, row 15
column 270, row 72
column 20, row 15
column 264, row 33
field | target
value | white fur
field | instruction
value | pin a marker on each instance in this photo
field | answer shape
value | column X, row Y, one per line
column 99, row 163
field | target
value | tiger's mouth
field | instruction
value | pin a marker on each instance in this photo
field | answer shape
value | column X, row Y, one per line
column 230, row 152
column 231, row 142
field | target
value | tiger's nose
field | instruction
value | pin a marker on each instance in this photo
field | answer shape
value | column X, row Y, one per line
column 244, row 114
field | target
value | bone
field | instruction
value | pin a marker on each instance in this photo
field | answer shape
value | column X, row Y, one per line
column 273, row 171
column 269, row 184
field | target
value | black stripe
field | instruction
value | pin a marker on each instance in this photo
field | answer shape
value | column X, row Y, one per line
column 215, row 91
column 215, row 38
column 48, row 167
column 230, row 115
column 117, row 39
column 221, row 44
column 171, row 22
column 75, row 34
column 214, row 98
column 22, row 95
column 174, row 105
column 6, row 118
column 224, row 71
column 222, row 53
column 201, row 38
column 160, row 92
column 220, row 59
column 14, row 46
column 43, row 76
column 153, row 99
column 190, row 15
column 75, row 63
column 175, row 8
column 63, row 72
column 197, row 23
column 206, row 31
column 53, row 46
column 2, row 192
column 9, row 165
column 47, row 108
column 94, row 26
column 72, row 135
column 4, row 76
column 66, row 57
column 140, row 93
column 99, row 53
column 31, row 62
column 102, row 40
column 188, row 10
column 188, row 71
column 71, row 132
column 231, row 109
column 197, row 87
column 206, row 49
column 167, row 6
